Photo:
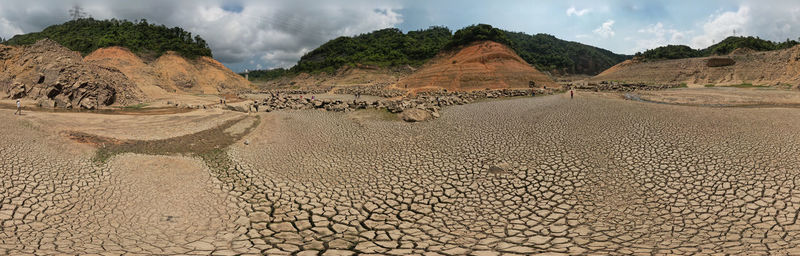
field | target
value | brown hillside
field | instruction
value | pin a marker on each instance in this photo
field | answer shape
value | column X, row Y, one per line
column 761, row 68
column 171, row 73
column 55, row 76
column 475, row 67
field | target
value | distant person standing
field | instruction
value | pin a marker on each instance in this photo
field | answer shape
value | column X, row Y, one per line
column 571, row 94
column 19, row 108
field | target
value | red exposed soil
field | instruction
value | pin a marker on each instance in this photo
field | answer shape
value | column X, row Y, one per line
column 478, row 66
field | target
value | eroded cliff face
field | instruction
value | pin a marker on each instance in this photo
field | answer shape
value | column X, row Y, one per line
column 171, row 73
column 781, row 67
column 54, row 76
column 476, row 67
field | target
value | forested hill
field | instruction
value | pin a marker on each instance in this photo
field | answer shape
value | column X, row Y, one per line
column 86, row 35
column 548, row 53
column 385, row 47
column 391, row 47
column 724, row 47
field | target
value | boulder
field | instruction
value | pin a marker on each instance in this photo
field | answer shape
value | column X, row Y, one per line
column 416, row 115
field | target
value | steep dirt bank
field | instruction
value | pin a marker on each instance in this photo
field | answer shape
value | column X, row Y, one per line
column 53, row 76
column 57, row 77
column 779, row 67
column 476, row 67
column 171, row 73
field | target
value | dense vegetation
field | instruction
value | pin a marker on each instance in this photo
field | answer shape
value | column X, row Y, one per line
column 390, row 47
column 268, row 74
column 724, row 47
column 474, row 33
column 86, row 35
column 670, row 52
column 548, row 53
column 383, row 48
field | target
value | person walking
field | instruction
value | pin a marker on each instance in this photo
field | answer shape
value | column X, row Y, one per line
column 19, row 108
column 571, row 94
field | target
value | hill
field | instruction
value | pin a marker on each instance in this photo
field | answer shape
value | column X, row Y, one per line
column 391, row 48
column 142, row 38
column 548, row 53
column 55, row 76
column 170, row 73
column 383, row 48
column 476, row 66
column 741, row 67
column 722, row 48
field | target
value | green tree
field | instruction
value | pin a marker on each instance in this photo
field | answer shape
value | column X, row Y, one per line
column 86, row 35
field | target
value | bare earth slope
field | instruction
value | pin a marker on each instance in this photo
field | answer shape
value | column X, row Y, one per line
column 171, row 73
column 476, row 67
column 50, row 73
column 762, row 68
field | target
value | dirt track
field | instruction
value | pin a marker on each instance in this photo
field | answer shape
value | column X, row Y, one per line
column 521, row 176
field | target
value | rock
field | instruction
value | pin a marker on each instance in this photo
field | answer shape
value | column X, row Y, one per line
column 46, row 103
column 246, row 142
column 415, row 115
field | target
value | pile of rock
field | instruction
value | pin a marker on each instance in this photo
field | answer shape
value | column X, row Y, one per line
column 624, row 87
column 378, row 89
column 318, row 90
column 421, row 107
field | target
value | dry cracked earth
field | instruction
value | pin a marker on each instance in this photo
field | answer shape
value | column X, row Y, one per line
column 523, row 176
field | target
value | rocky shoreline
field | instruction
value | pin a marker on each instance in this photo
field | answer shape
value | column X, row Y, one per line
column 420, row 107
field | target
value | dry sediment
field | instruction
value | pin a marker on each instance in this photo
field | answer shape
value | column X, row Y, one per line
column 590, row 175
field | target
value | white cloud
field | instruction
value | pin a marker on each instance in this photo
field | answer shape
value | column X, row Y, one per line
column 605, row 30
column 721, row 26
column 572, row 11
column 7, row 30
column 656, row 35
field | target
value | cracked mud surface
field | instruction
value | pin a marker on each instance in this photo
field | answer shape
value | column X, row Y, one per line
column 521, row 176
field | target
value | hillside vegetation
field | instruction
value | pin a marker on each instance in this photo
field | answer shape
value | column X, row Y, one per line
column 383, row 48
column 724, row 47
column 391, row 47
column 548, row 53
column 86, row 35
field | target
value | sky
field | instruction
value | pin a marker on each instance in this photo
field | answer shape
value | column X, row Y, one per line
column 252, row 34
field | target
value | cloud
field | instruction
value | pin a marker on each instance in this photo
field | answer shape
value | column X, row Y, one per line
column 656, row 35
column 7, row 30
column 273, row 33
column 572, row 11
column 721, row 26
column 605, row 30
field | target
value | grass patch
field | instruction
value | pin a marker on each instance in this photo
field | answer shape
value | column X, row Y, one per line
column 205, row 144
column 709, row 85
column 683, row 85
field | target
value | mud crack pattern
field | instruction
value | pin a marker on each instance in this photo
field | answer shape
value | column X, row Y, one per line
column 515, row 177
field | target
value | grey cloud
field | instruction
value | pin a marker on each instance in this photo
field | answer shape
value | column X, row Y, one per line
column 270, row 33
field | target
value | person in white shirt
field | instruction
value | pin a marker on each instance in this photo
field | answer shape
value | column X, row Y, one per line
column 19, row 108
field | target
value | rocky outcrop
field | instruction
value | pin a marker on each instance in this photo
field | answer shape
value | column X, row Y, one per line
column 53, row 75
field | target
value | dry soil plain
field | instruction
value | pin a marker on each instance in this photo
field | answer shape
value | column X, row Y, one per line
column 593, row 175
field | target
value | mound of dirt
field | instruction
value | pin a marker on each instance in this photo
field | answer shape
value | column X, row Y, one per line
column 761, row 68
column 171, row 73
column 57, row 77
column 478, row 66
